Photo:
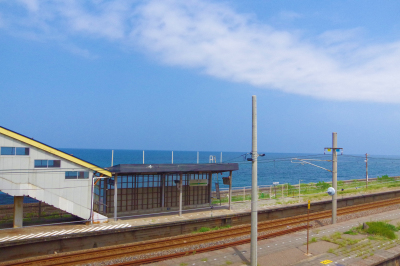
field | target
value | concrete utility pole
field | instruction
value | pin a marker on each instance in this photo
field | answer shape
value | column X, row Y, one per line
column 143, row 157
column 197, row 157
column 254, row 196
column 172, row 162
column 221, row 157
column 112, row 157
column 334, row 176
column 366, row 168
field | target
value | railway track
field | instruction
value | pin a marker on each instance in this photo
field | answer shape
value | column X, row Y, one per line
column 266, row 229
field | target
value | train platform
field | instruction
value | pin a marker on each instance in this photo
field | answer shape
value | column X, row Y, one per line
column 329, row 246
column 12, row 236
column 29, row 234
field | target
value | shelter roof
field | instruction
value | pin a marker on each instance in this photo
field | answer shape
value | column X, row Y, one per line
column 172, row 168
column 54, row 151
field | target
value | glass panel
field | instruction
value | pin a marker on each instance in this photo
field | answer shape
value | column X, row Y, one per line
column 83, row 175
column 40, row 163
column 22, row 151
column 54, row 163
column 71, row 175
column 7, row 151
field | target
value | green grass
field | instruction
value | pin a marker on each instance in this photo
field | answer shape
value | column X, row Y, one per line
column 207, row 229
column 317, row 191
column 382, row 229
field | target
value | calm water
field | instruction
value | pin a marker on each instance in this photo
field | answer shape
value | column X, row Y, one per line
column 274, row 167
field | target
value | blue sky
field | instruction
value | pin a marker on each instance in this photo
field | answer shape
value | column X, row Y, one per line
column 179, row 75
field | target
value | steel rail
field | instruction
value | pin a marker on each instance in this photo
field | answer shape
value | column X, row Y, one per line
column 190, row 240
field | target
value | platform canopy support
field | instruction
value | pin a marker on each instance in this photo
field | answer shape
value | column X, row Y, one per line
column 230, row 190
column 115, row 197
column 18, row 211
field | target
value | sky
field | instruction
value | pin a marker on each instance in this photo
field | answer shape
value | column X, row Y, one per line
column 179, row 75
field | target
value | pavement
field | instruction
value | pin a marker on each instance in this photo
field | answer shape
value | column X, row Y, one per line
column 10, row 235
column 291, row 249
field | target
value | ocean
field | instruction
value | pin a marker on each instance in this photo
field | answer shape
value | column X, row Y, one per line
column 273, row 167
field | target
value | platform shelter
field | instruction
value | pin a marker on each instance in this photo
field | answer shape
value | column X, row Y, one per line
column 152, row 188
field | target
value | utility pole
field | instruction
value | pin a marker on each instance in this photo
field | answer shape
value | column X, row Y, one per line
column 334, row 176
column 143, row 157
column 172, row 162
column 197, row 157
column 366, row 168
column 254, row 196
column 112, row 157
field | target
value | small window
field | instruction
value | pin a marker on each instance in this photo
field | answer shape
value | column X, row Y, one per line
column 76, row 175
column 47, row 163
column 22, row 151
column 83, row 175
column 71, row 175
column 14, row 151
column 40, row 163
column 7, row 151
column 54, row 163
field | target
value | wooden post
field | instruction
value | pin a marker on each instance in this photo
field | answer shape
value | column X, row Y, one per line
column 230, row 190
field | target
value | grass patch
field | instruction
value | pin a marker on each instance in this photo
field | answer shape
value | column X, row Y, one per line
column 183, row 264
column 228, row 262
column 353, row 231
column 382, row 229
column 207, row 229
column 204, row 259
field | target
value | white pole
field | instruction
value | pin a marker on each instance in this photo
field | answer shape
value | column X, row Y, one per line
column 334, row 176
column 112, row 158
column 254, row 196
column 115, row 196
column 197, row 157
column 172, row 157
column 299, row 190
column 230, row 190
column 180, row 195
column 221, row 157
column 143, row 157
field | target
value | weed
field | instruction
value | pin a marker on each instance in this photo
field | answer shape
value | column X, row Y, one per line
column 204, row 259
column 382, row 229
column 313, row 240
column 206, row 229
column 228, row 262
column 183, row 264
column 194, row 252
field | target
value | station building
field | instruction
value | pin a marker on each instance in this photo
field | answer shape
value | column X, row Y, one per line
column 31, row 168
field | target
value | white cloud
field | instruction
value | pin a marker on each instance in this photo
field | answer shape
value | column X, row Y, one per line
column 223, row 43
